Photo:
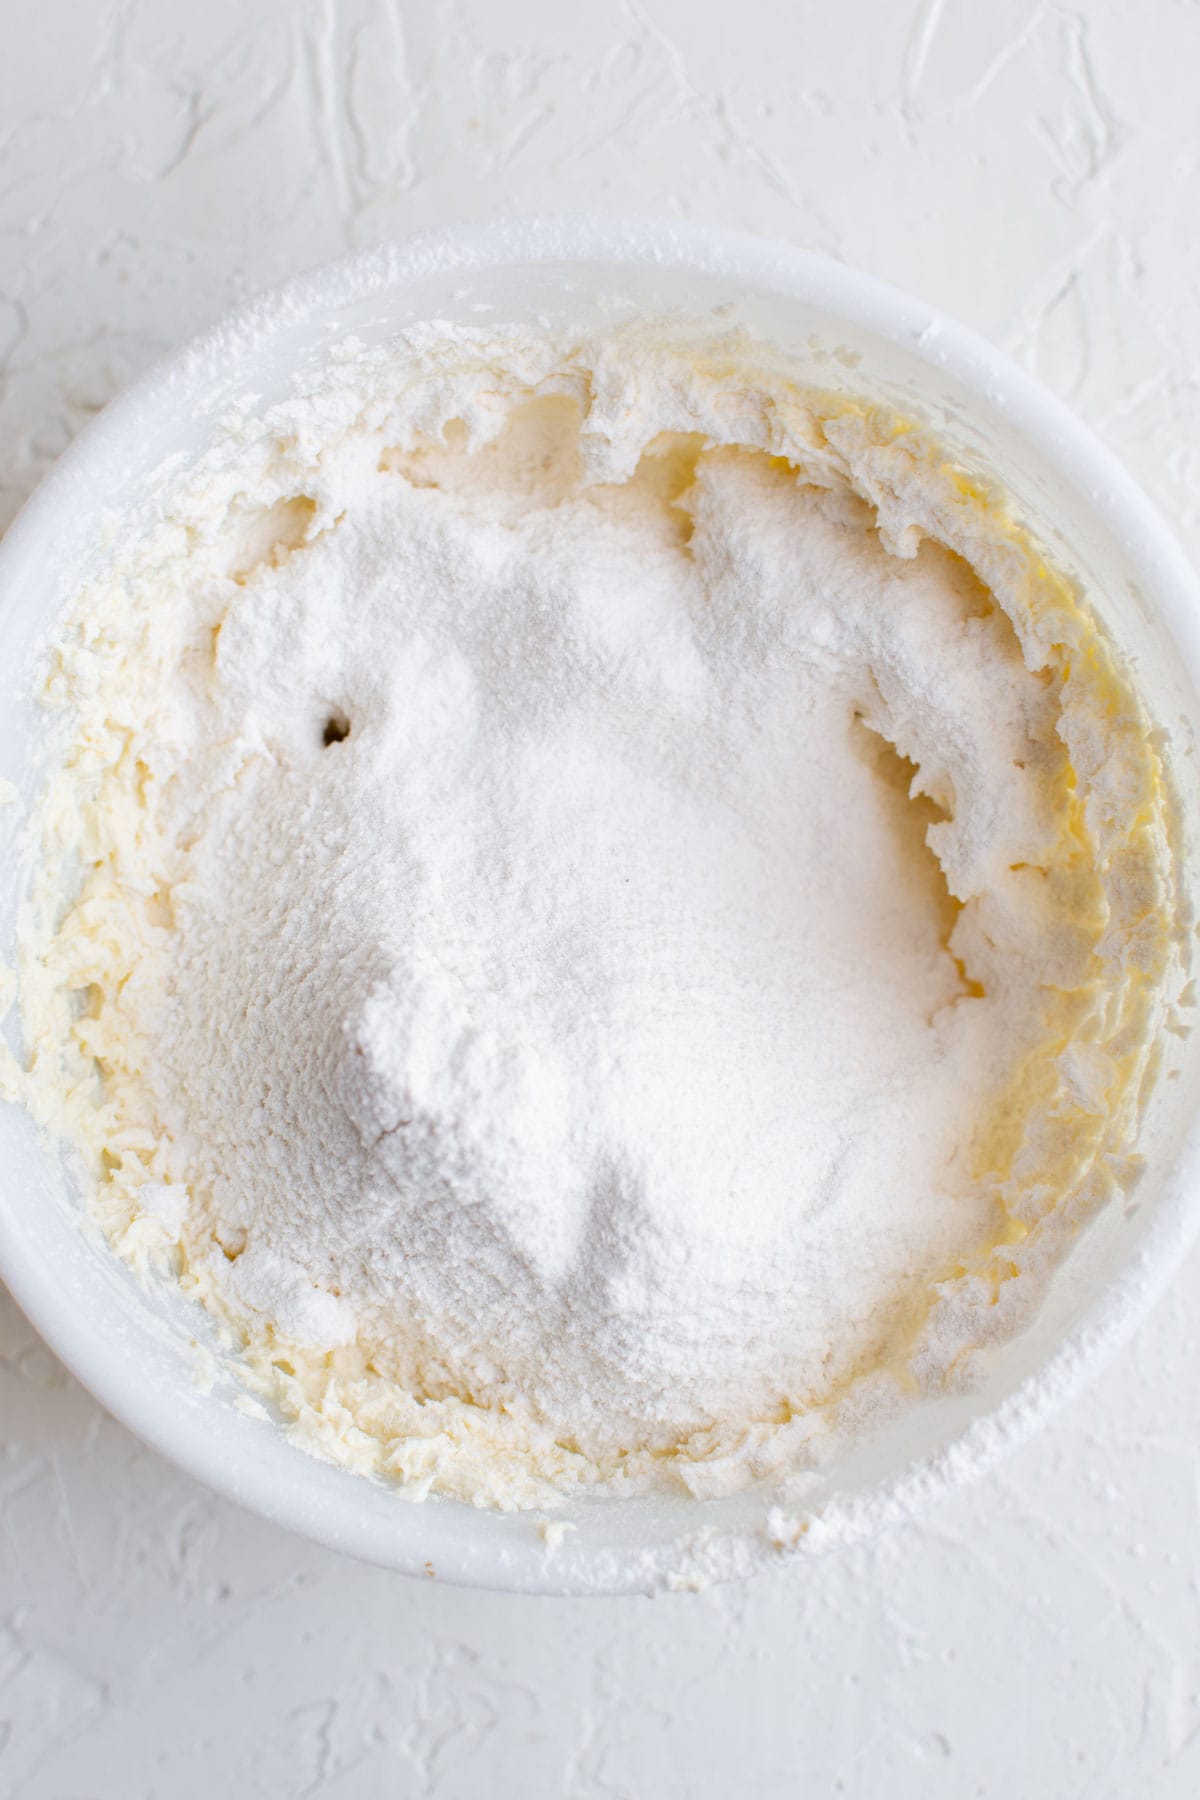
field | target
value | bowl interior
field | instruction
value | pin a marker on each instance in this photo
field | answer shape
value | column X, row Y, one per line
column 146, row 1353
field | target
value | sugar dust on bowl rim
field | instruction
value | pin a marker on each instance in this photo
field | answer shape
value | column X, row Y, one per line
column 599, row 892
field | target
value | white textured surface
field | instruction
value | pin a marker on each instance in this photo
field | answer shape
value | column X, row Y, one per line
column 1034, row 168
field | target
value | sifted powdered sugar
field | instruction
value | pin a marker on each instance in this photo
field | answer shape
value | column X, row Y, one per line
column 609, row 863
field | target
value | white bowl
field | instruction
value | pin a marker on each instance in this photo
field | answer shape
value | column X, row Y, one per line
column 135, row 1349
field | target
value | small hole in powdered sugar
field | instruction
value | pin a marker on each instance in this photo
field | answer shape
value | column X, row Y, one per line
column 337, row 727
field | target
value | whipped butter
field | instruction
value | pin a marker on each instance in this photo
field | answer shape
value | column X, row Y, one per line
column 604, row 912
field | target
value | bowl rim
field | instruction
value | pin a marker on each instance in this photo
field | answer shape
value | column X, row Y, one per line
column 862, row 301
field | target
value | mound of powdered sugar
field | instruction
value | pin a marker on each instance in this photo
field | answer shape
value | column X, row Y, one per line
column 592, row 884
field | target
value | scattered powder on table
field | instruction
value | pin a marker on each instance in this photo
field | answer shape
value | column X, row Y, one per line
column 623, row 915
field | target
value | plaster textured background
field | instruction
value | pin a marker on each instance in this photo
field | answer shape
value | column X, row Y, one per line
column 1035, row 168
